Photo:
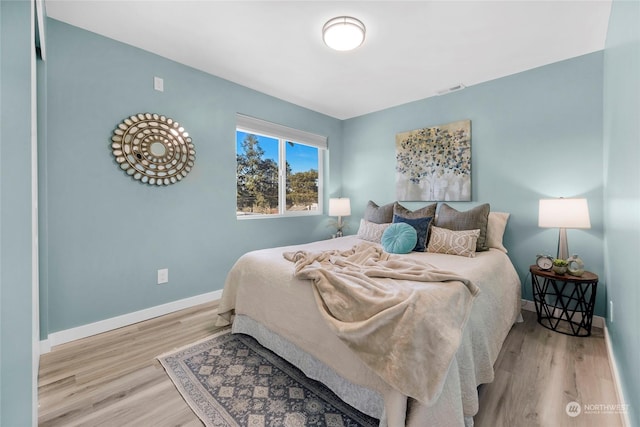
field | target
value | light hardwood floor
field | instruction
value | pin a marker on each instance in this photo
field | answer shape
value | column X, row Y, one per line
column 113, row 379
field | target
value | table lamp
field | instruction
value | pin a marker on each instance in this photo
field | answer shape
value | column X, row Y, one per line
column 563, row 213
column 339, row 207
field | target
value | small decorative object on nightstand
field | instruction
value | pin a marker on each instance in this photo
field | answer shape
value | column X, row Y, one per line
column 564, row 303
column 575, row 266
column 559, row 266
column 545, row 262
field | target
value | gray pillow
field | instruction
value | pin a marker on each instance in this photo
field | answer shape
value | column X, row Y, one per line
column 428, row 211
column 379, row 214
column 476, row 218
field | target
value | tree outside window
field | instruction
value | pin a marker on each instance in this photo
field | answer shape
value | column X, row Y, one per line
column 276, row 176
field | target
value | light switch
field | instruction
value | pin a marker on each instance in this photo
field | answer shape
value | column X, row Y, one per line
column 158, row 84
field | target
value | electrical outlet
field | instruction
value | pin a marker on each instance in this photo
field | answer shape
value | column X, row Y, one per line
column 610, row 311
column 163, row 276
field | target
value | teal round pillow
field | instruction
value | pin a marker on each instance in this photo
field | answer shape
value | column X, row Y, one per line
column 399, row 238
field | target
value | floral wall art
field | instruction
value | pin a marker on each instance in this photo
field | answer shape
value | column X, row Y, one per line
column 434, row 163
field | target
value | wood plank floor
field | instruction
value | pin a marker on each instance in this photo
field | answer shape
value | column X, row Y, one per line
column 113, row 379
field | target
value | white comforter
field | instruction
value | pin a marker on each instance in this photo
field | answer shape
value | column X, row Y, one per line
column 262, row 287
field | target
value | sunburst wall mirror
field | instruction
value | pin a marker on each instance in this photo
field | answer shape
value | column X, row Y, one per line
column 153, row 149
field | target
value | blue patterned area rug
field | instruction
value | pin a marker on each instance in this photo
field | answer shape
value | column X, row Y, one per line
column 231, row 380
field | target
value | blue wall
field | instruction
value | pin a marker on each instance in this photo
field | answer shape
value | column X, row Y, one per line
column 534, row 135
column 15, row 215
column 622, row 192
column 106, row 235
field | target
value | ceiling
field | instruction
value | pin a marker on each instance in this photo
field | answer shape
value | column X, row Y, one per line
column 413, row 49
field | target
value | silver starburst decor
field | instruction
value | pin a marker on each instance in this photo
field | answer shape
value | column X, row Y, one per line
column 153, row 149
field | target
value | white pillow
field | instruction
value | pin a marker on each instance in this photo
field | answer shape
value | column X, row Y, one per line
column 445, row 241
column 495, row 230
column 371, row 231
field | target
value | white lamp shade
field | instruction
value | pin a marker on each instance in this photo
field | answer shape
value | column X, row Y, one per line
column 563, row 213
column 343, row 33
column 340, row 207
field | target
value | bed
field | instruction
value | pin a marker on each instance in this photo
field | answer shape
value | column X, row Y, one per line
column 264, row 299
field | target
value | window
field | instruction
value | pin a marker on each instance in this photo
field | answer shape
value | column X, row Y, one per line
column 279, row 170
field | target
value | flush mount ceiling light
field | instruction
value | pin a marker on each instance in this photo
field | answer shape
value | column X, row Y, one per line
column 343, row 33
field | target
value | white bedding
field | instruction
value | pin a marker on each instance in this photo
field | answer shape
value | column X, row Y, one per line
column 281, row 312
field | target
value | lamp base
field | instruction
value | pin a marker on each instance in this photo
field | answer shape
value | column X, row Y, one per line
column 340, row 227
column 563, row 246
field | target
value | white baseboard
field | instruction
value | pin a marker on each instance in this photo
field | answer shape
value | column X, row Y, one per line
column 45, row 346
column 597, row 322
column 101, row 326
column 528, row 305
column 626, row 422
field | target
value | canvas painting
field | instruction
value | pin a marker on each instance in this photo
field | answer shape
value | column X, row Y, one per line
column 434, row 163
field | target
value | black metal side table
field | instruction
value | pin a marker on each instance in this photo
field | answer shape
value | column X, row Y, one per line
column 564, row 298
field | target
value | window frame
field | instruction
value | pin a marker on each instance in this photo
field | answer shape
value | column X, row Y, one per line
column 283, row 134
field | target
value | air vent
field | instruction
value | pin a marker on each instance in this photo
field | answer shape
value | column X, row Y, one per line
column 451, row 89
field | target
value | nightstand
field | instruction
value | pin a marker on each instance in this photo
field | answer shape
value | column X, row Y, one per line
column 564, row 303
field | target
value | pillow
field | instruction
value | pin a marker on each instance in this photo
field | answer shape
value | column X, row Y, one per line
column 445, row 241
column 378, row 214
column 399, row 238
column 473, row 219
column 371, row 231
column 495, row 230
column 427, row 211
column 421, row 226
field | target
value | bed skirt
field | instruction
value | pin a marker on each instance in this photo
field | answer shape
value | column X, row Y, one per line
column 363, row 399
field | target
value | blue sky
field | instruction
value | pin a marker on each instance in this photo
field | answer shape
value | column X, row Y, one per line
column 300, row 157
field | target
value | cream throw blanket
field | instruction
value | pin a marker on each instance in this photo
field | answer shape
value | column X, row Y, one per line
column 402, row 318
